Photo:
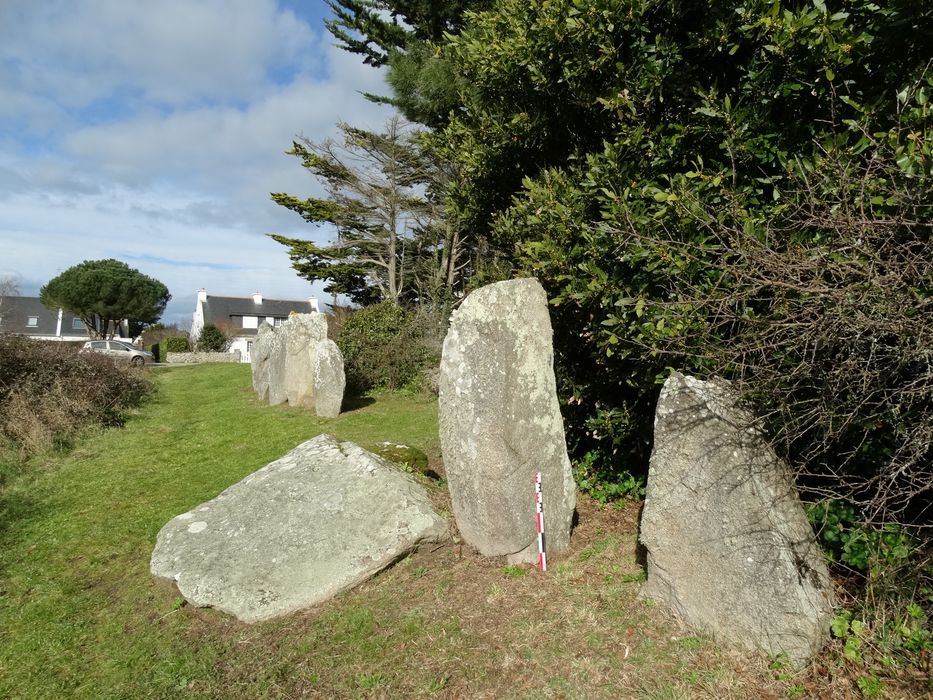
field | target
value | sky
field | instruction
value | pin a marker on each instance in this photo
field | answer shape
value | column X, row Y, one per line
column 154, row 132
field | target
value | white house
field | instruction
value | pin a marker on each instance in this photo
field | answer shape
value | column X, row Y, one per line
column 239, row 317
column 30, row 317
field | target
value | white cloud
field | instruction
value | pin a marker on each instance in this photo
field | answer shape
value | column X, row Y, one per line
column 175, row 52
column 153, row 132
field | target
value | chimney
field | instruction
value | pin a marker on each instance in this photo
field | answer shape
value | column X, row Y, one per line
column 312, row 301
column 257, row 298
column 202, row 295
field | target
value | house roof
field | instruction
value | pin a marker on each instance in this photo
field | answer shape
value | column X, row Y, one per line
column 224, row 309
column 15, row 313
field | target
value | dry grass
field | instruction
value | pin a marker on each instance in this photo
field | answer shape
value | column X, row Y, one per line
column 448, row 623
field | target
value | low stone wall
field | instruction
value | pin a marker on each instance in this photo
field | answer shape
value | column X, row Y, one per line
column 196, row 358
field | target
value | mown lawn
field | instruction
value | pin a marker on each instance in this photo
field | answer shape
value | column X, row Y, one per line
column 80, row 615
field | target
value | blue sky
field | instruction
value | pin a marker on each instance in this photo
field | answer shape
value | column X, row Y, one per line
column 153, row 132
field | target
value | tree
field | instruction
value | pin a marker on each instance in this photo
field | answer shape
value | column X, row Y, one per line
column 372, row 183
column 8, row 288
column 104, row 292
column 408, row 37
column 630, row 154
column 212, row 339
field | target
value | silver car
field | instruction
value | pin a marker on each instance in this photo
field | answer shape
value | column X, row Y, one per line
column 119, row 350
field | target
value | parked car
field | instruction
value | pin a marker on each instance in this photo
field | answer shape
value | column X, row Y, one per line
column 119, row 350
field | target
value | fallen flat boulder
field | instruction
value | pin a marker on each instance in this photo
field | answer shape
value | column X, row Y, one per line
column 323, row 518
column 729, row 547
column 500, row 422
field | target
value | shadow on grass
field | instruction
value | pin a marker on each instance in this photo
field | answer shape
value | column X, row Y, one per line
column 355, row 403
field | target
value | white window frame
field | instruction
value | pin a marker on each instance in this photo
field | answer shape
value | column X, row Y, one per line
column 32, row 322
column 251, row 322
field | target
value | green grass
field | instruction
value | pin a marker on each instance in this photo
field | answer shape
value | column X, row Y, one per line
column 79, row 613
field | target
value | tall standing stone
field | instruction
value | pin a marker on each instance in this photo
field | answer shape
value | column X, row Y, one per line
column 500, row 422
column 729, row 545
column 302, row 332
column 329, row 379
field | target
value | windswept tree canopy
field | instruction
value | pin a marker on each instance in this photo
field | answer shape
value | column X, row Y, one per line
column 104, row 292
column 409, row 38
column 372, row 182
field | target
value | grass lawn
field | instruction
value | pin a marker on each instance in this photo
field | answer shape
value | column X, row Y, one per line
column 80, row 615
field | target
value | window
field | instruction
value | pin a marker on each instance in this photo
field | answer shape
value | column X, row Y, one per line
column 32, row 321
column 77, row 324
column 250, row 322
column 99, row 345
column 279, row 322
column 119, row 347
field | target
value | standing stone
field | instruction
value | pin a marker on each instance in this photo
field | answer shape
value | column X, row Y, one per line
column 729, row 546
column 323, row 518
column 500, row 422
column 276, row 367
column 302, row 334
column 329, row 379
column 259, row 360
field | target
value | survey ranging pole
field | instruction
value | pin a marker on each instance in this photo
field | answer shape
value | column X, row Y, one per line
column 539, row 516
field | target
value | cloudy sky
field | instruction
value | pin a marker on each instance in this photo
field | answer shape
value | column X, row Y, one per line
column 153, row 132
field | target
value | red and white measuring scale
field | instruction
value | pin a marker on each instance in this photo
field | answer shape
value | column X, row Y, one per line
column 539, row 516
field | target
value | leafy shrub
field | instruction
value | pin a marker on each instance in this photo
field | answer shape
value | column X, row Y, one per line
column 862, row 547
column 172, row 343
column 212, row 339
column 739, row 188
column 591, row 480
column 49, row 393
column 887, row 574
column 157, row 331
column 175, row 343
column 385, row 346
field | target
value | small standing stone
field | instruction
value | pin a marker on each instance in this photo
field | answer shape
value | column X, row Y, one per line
column 329, row 379
column 729, row 545
column 302, row 332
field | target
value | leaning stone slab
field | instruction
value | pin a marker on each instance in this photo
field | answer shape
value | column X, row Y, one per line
column 323, row 518
column 329, row 379
column 302, row 334
column 500, row 422
column 729, row 546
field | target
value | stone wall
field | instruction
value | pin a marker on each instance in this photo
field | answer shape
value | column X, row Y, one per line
column 196, row 358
